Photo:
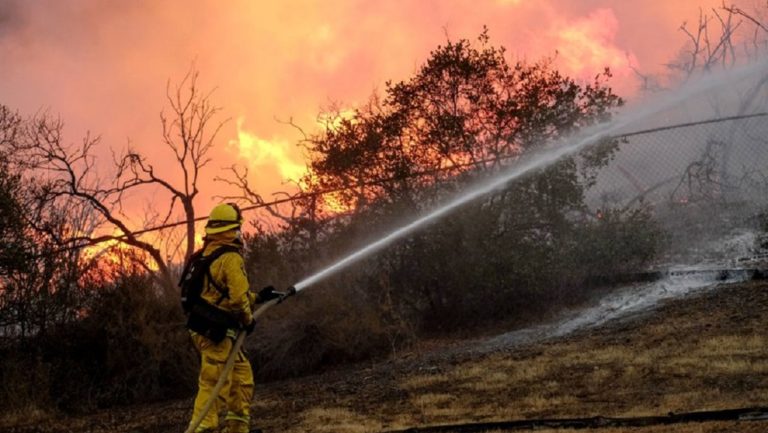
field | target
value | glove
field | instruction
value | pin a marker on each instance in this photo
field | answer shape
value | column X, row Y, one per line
column 249, row 327
column 267, row 294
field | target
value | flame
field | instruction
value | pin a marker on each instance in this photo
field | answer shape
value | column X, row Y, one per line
column 106, row 251
column 111, row 257
column 260, row 152
column 332, row 121
column 333, row 204
column 586, row 45
column 290, row 62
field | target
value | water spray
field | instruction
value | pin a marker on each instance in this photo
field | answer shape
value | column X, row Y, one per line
column 541, row 160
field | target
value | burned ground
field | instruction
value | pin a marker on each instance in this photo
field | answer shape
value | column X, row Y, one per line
column 702, row 352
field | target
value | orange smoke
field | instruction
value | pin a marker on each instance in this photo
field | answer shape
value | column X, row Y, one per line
column 92, row 67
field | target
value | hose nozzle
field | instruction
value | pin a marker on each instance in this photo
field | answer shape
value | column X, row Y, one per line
column 290, row 291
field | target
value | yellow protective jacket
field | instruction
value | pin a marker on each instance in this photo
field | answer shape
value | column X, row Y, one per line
column 229, row 271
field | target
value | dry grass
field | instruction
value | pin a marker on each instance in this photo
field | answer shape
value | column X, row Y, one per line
column 425, row 400
column 337, row 420
column 714, row 427
column 686, row 358
column 24, row 415
column 422, row 381
column 733, row 345
column 678, row 362
column 697, row 354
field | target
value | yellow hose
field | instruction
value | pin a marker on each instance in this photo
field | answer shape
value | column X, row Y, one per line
column 228, row 367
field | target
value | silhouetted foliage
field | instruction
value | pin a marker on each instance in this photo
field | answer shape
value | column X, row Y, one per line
column 92, row 335
column 78, row 329
column 465, row 108
column 14, row 252
column 128, row 346
column 15, row 246
column 512, row 256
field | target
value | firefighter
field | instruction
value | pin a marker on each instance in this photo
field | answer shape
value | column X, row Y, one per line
column 225, row 288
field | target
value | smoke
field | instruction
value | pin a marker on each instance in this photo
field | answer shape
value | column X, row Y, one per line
column 104, row 65
column 11, row 17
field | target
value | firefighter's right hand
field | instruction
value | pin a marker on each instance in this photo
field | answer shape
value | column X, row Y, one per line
column 267, row 294
column 249, row 327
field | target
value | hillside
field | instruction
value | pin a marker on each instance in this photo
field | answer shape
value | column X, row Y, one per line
column 704, row 351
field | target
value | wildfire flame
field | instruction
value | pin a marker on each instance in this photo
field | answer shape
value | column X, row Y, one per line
column 260, row 153
column 111, row 258
column 332, row 121
column 586, row 46
column 332, row 204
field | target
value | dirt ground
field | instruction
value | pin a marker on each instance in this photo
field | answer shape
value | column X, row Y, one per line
column 703, row 352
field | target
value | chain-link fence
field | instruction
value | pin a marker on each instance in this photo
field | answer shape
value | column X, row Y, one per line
column 724, row 160
column 701, row 180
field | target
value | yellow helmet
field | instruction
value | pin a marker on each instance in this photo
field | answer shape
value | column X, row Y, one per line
column 224, row 217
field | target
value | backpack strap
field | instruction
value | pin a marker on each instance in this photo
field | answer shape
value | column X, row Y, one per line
column 194, row 257
column 224, row 291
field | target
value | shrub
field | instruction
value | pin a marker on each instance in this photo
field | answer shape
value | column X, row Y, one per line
column 130, row 346
column 320, row 329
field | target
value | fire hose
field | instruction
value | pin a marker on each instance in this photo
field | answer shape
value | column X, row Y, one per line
column 231, row 359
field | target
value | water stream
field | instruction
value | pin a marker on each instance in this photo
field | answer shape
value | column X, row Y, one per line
column 551, row 155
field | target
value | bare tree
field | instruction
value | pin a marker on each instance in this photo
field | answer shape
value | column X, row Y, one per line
column 189, row 130
column 722, row 38
column 248, row 194
column 708, row 47
column 38, row 284
column 69, row 175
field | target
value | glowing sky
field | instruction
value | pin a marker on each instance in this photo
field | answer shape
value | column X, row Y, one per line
column 103, row 65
